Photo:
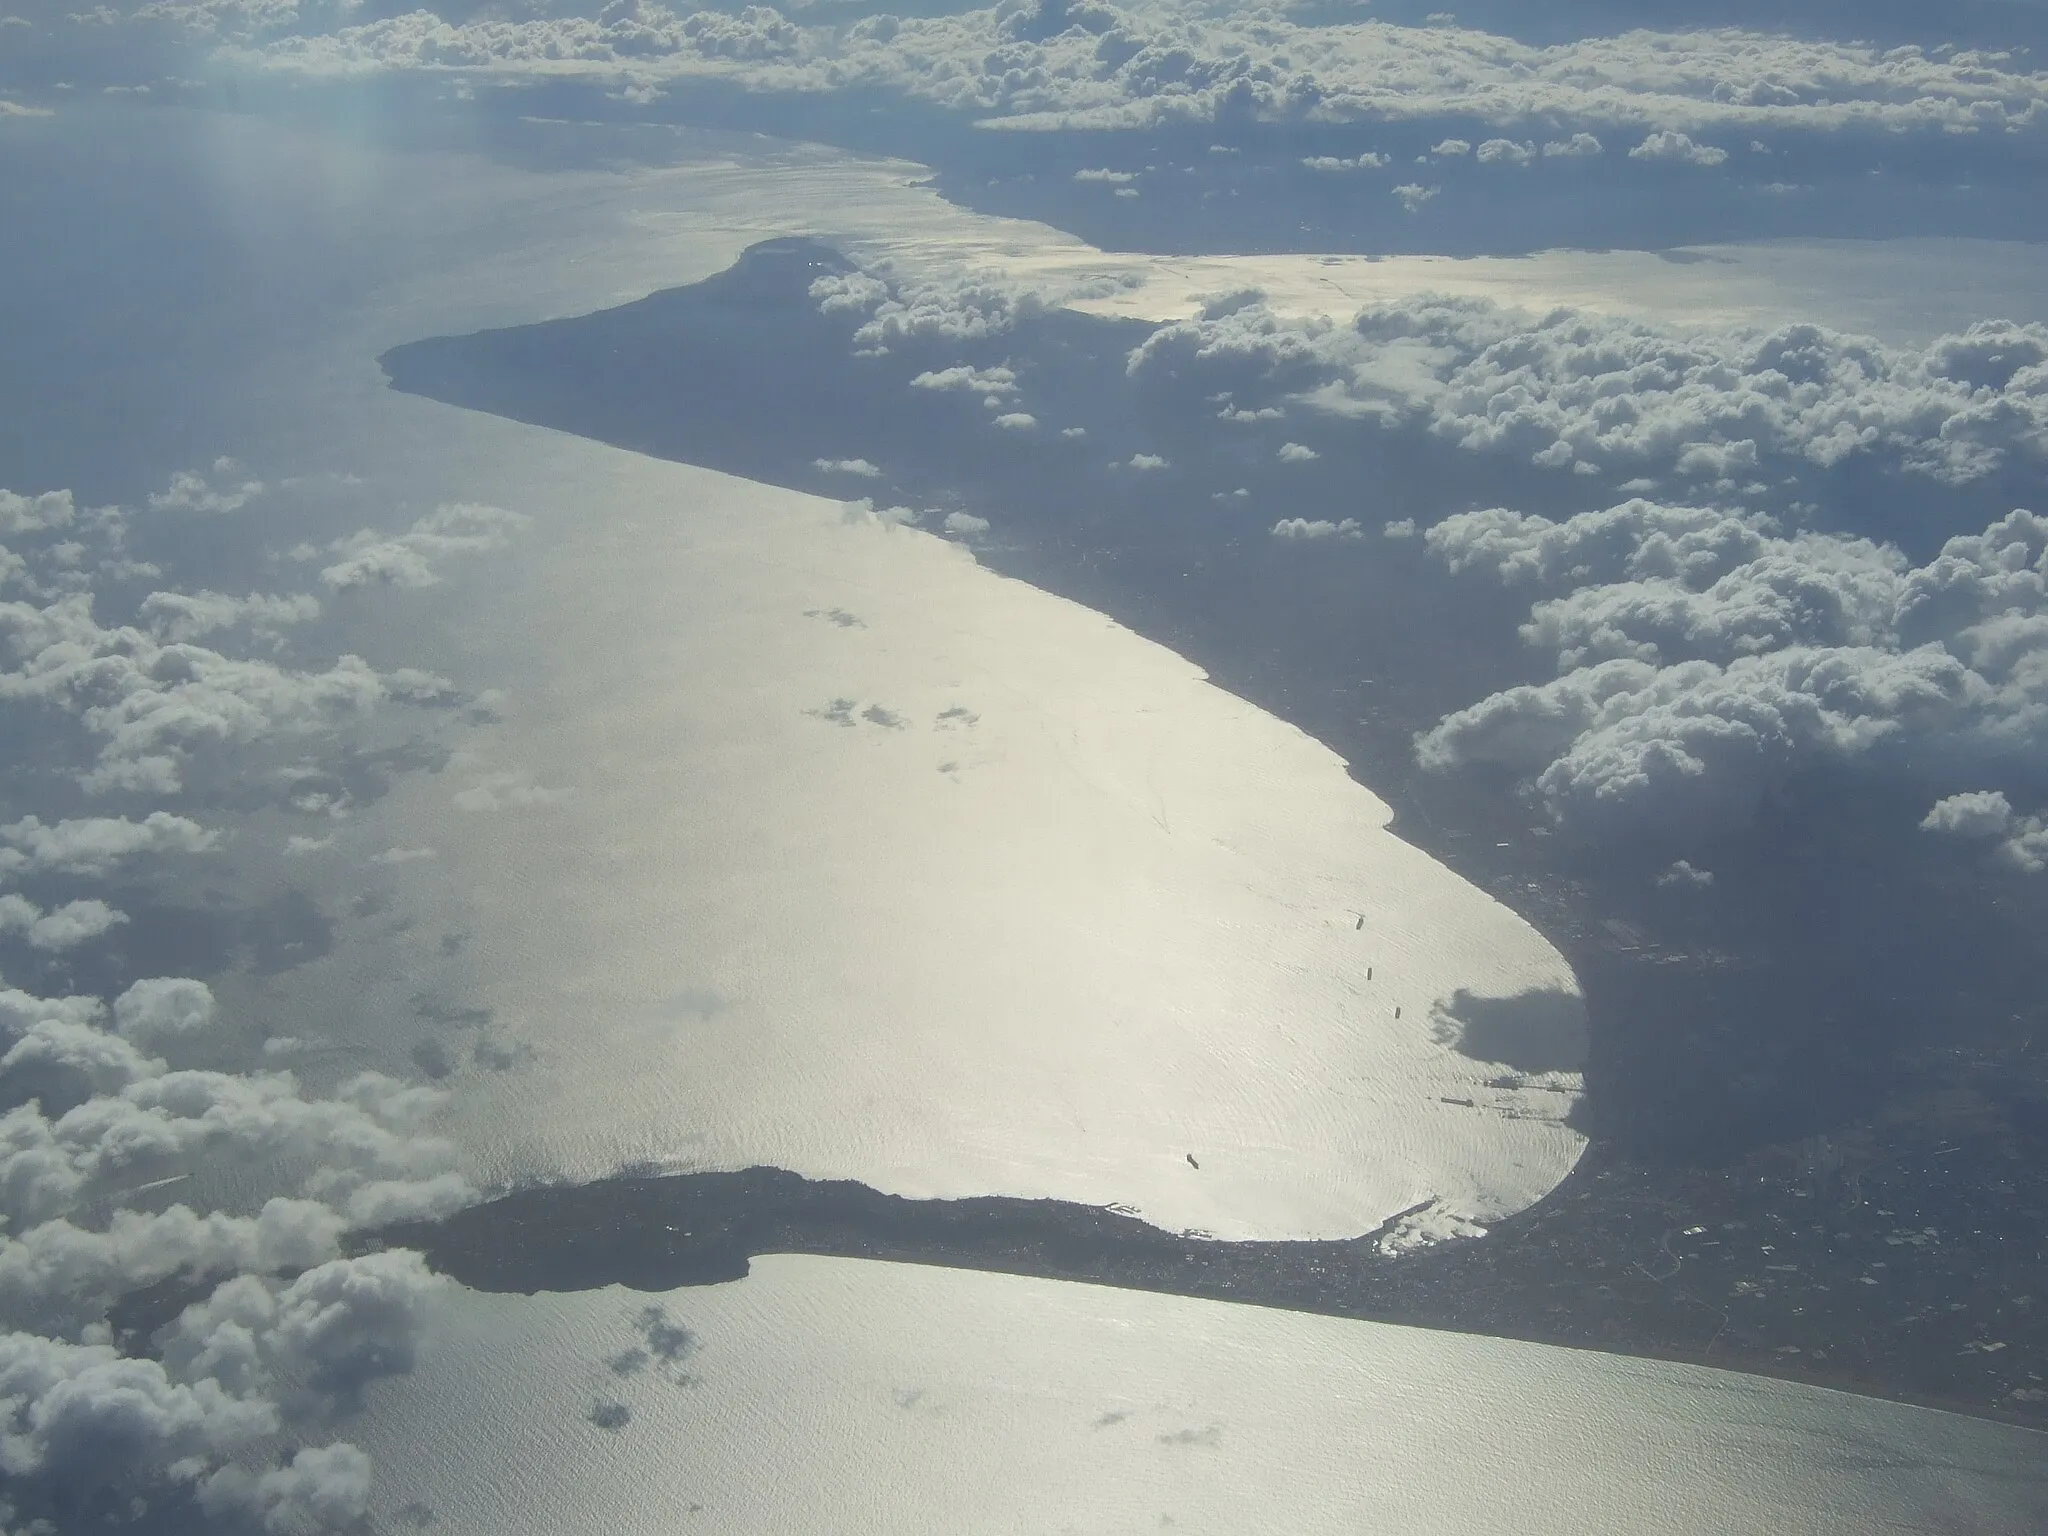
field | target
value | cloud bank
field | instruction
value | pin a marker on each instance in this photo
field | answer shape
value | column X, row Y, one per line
column 1081, row 64
column 1703, row 655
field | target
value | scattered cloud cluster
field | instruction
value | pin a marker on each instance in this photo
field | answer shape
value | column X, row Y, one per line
column 1702, row 655
column 129, row 1158
column 287, row 1332
column 144, row 688
column 1571, row 390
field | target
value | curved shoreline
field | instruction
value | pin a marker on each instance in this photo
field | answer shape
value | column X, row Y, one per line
column 658, row 1233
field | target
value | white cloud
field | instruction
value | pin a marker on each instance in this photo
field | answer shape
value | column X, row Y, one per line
column 1579, row 144
column 1317, row 528
column 2026, row 850
column 178, row 616
column 859, row 467
column 957, row 305
column 965, row 523
column 1399, row 528
column 1505, row 152
column 151, row 704
column 1015, row 421
column 408, row 559
column 981, row 381
column 95, row 845
column 1451, row 148
column 1671, row 145
column 163, row 1006
column 1570, row 388
column 1703, row 655
column 1413, row 194
column 1974, row 813
column 64, row 927
column 1680, row 875
column 35, row 514
column 1368, row 160
column 1152, row 65
column 1296, row 453
column 99, row 1116
column 1986, row 815
column 1114, row 178
column 1147, row 461
column 217, row 490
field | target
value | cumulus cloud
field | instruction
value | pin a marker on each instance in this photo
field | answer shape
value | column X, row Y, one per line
column 1015, row 421
column 408, row 559
column 151, row 703
column 1296, row 453
column 1703, row 655
column 288, row 1332
column 2026, row 849
column 966, row 523
column 1504, row 152
column 1147, row 461
column 163, row 1006
column 1570, row 388
column 188, row 615
column 1367, row 160
column 227, row 1410
column 1974, row 813
column 64, row 927
column 859, row 467
column 1114, row 178
column 220, row 489
column 1579, row 144
column 35, row 514
column 1316, row 528
column 1447, row 149
column 1680, row 875
column 1413, row 194
column 1136, row 66
column 986, row 382
column 96, row 845
column 928, row 305
column 1986, row 815
column 1672, row 145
